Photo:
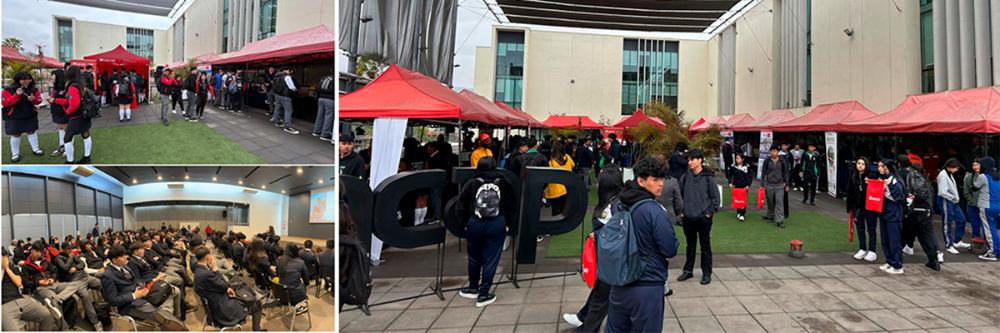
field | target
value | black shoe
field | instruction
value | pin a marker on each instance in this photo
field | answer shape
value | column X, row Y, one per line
column 669, row 292
column 781, row 225
column 934, row 265
column 469, row 292
column 812, row 203
column 84, row 160
column 685, row 276
column 488, row 299
column 38, row 152
column 15, row 159
column 706, row 279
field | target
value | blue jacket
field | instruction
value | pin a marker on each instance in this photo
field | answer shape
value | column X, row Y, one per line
column 994, row 190
column 655, row 233
column 218, row 81
column 892, row 206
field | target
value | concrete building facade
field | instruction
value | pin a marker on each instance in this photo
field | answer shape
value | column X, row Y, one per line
column 779, row 54
column 205, row 26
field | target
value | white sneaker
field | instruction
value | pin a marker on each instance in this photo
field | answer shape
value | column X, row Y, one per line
column 572, row 319
column 908, row 250
column 742, row 218
column 860, row 255
column 895, row 271
column 962, row 245
column 988, row 256
column 506, row 243
column 952, row 250
column 871, row 257
column 885, row 267
column 940, row 256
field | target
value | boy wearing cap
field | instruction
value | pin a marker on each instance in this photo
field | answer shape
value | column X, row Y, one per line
column 482, row 150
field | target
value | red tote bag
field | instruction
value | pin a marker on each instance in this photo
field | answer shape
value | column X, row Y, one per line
column 588, row 260
column 760, row 198
column 874, row 195
column 739, row 198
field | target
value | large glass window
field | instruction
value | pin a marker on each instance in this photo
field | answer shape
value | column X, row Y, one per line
column 268, row 18
column 927, row 45
column 60, row 197
column 510, row 67
column 140, row 42
column 225, row 26
column 649, row 72
column 84, row 201
column 30, row 194
column 65, row 31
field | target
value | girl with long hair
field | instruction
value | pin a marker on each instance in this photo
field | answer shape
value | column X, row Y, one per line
column 20, row 114
column 59, row 117
column 78, row 122
column 555, row 194
column 865, row 221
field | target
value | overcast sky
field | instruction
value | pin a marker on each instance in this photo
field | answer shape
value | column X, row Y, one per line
column 31, row 20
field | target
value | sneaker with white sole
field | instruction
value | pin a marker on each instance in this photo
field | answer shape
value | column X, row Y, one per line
column 952, row 250
column 894, row 271
column 572, row 319
column 871, row 256
column 860, row 255
column 885, row 267
column 53, row 309
column 940, row 256
column 468, row 292
column 482, row 301
column 907, row 250
column 988, row 256
column 962, row 245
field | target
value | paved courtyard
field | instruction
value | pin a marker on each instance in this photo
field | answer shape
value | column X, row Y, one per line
column 963, row 297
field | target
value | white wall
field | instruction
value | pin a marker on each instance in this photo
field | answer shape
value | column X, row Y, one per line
column 879, row 66
column 483, row 79
column 203, row 28
column 698, row 69
column 266, row 208
column 295, row 15
column 91, row 37
column 753, row 50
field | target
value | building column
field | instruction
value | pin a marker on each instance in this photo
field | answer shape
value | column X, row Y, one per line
column 967, row 47
column 940, row 45
column 982, row 33
column 954, row 63
column 256, row 20
column 995, row 40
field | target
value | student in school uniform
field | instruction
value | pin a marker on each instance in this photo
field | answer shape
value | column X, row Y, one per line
column 59, row 117
column 20, row 114
column 78, row 123
column 202, row 89
column 125, row 92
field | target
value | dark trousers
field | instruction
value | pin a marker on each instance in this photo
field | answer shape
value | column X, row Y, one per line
column 557, row 204
column 200, row 107
column 636, row 309
column 485, row 243
column 741, row 212
column 923, row 229
column 892, row 247
column 809, row 189
column 697, row 231
column 866, row 225
column 596, row 309
column 236, row 101
column 176, row 99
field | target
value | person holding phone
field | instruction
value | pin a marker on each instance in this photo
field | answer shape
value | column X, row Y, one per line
column 125, row 290
column 20, row 114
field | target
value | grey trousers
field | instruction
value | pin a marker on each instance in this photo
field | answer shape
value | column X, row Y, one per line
column 284, row 106
column 164, row 106
column 57, row 292
column 324, row 118
column 24, row 309
column 83, row 287
column 270, row 102
column 147, row 311
column 775, row 200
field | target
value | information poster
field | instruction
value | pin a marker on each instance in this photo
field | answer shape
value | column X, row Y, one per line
column 766, row 141
column 831, row 163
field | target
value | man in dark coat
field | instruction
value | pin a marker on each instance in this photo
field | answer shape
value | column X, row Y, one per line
column 209, row 284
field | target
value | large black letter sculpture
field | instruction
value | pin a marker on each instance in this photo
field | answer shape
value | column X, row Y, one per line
column 389, row 193
column 531, row 223
column 358, row 197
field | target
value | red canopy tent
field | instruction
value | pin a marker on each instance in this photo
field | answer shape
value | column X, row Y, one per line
column 738, row 120
column 827, row 117
column 314, row 43
column 768, row 119
column 532, row 122
column 12, row 54
column 512, row 119
column 401, row 93
column 696, row 123
column 637, row 118
column 958, row 111
column 578, row 122
column 46, row 62
column 202, row 59
column 122, row 59
column 704, row 125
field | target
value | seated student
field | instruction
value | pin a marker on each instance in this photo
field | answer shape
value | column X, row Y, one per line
column 19, row 309
column 293, row 275
column 94, row 260
column 125, row 289
column 210, row 285
column 70, row 269
column 37, row 279
column 309, row 257
column 326, row 258
column 171, row 267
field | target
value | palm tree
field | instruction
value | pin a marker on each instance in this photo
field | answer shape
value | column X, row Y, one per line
column 653, row 141
column 13, row 42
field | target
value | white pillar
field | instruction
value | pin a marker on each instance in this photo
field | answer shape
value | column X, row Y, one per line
column 256, row 20
column 940, row 46
column 995, row 40
column 982, row 28
column 954, row 63
column 967, row 47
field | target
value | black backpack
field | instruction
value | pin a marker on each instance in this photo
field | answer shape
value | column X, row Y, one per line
column 325, row 87
column 69, row 312
column 90, row 105
column 921, row 190
column 355, row 272
column 124, row 89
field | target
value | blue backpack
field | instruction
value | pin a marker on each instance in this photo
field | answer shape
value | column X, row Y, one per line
column 618, row 259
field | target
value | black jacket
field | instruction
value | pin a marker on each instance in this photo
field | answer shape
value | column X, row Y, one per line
column 352, row 165
column 93, row 259
column 738, row 176
column 856, row 190
column 144, row 271
column 117, row 289
column 31, row 273
column 811, row 166
column 678, row 164
column 212, row 287
column 535, row 159
column 584, row 158
column 700, row 193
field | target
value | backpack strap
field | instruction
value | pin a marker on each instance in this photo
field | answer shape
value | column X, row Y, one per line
column 637, row 204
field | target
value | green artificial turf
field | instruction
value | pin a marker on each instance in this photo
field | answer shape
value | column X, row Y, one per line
column 818, row 232
column 151, row 143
